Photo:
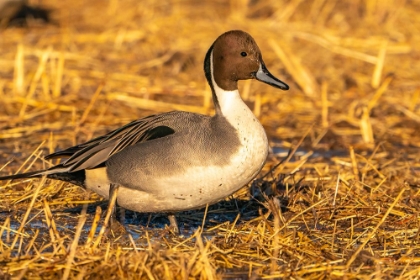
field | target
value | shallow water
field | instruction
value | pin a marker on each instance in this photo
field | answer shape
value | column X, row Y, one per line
column 136, row 224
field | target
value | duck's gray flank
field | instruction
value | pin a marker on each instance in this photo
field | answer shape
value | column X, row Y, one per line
column 179, row 160
column 179, row 153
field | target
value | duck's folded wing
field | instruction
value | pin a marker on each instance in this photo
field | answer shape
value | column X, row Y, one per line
column 96, row 151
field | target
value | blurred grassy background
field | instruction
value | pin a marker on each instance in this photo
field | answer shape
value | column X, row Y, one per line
column 358, row 53
column 354, row 72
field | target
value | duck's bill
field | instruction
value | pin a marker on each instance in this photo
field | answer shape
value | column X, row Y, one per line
column 266, row 77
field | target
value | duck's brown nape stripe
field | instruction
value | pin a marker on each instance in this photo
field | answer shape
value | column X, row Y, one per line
column 209, row 76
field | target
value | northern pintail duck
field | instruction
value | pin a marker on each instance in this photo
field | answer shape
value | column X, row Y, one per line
column 179, row 160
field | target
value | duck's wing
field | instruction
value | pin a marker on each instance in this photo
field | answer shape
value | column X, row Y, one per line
column 96, row 151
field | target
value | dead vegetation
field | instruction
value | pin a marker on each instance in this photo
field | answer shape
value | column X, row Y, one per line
column 344, row 203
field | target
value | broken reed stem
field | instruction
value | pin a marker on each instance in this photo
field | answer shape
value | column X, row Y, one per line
column 366, row 126
column 133, row 243
column 5, row 227
column 230, row 231
column 205, row 216
column 91, row 103
column 31, row 243
column 35, row 80
column 59, row 76
column 19, row 73
column 275, row 210
column 28, row 211
column 109, row 211
column 324, row 100
column 354, row 164
column 378, row 93
column 75, row 243
column 377, row 73
column 51, row 225
column 204, row 254
column 355, row 168
column 94, row 225
column 336, row 189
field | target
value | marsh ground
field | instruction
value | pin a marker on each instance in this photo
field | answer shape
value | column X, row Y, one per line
column 343, row 204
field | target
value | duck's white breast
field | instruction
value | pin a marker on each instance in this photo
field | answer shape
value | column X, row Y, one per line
column 206, row 184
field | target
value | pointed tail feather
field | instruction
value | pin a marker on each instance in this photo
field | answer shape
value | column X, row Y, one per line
column 33, row 174
column 76, row 178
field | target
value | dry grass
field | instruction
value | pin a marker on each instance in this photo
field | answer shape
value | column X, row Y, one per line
column 345, row 203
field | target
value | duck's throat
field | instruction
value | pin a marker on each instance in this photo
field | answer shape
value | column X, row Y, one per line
column 225, row 100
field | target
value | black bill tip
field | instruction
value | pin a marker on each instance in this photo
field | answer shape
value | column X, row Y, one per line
column 265, row 76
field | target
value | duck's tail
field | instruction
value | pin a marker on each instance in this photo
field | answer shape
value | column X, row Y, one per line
column 77, row 178
column 34, row 174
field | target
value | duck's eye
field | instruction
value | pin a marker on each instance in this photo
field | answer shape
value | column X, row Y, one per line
column 244, row 54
